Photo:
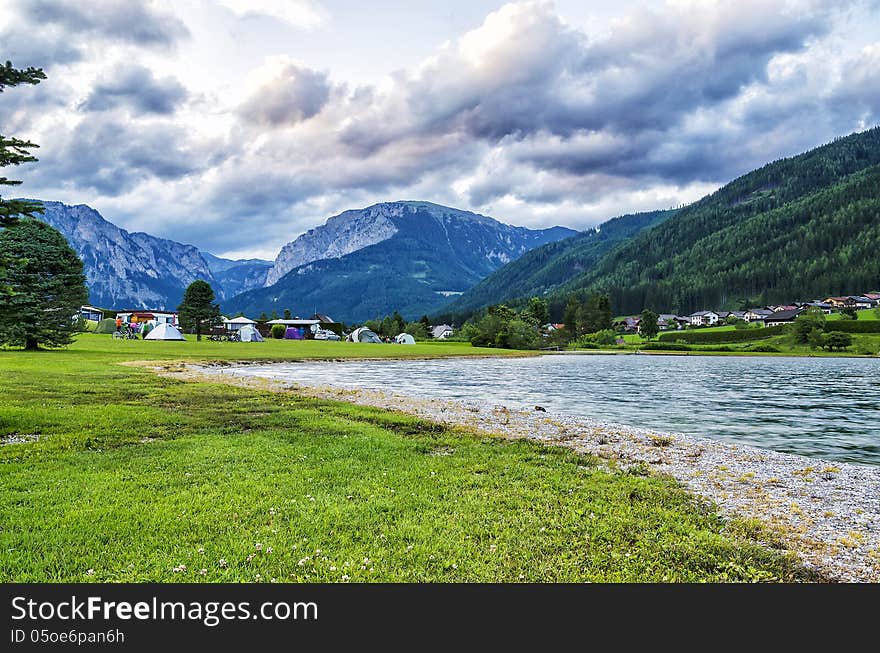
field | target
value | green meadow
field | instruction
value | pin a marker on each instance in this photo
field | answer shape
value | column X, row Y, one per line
column 111, row 473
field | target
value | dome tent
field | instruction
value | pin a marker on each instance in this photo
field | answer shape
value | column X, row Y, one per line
column 363, row 334
column 106, row 326
column 249, row 333
column 405, row 339
column 165, row 332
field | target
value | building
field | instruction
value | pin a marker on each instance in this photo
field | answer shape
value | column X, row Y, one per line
column 782, row 317
column 827, row 309
column 668, row 322
column 91, row 313
column 840, row 302
column 757, row 314
column 861, row 303
column 441, row 332
column 703, row 318
column 235, row 323
column 157, row 317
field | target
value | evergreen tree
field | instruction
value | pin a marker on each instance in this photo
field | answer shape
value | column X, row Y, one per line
column 417, row 330
column 648, row 324
column 572, row 308
column 399, row 324
column 595, row 314
column 198, row 310
column 263, row 318
column 286, row 313
column 274, row 315
column 14, row 151
column 537, row 311
column 45, row 286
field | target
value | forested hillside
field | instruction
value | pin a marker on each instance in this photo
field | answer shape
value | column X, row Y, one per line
column 796, row 229
column 548, row 268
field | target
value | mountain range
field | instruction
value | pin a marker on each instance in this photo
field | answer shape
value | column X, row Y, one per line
column 799, row 228
column 405, row 256
column 136, row 270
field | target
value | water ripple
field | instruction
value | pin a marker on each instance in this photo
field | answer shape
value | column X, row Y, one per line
column 821, row 407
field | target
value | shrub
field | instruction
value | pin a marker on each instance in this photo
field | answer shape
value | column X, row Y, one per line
column 604, row 338
column 837, row 340
column 278, row 331
column 764, row 348
column 716, row 337
column 664, row 346
column 854, row 326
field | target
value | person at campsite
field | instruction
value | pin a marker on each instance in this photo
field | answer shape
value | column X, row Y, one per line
column 118, row 323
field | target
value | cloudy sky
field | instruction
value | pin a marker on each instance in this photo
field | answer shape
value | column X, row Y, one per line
column 235, row 125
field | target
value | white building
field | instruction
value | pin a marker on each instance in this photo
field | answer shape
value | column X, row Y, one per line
column 704, row 318
column 156, row 317
column 235, row 323
column 441, row 332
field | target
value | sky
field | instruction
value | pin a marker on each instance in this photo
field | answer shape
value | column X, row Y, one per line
column 236, row 125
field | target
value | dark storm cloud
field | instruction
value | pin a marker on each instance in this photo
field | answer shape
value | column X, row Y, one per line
column 43, row 33
column 296, row 94
column 38, row 48
column 113, row 157
column 525, row 77
column 118, row 20
column 135, row 87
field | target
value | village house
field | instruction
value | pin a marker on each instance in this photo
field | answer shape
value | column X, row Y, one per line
column 157, row 317
column 840, row 302
column 671, row 322
column 441, row 332
column 235, row 323
column 91, row 313
column 782, row 317
column 704, row 318
column 757, row 314
column 827, row 309
column 862, row 303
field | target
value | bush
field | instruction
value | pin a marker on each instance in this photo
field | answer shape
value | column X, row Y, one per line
column 716, row 337
column 604, row 338
column 764, row 348
column 664, row 346
column 854, row 326
column 278, row 331
column 837, row 340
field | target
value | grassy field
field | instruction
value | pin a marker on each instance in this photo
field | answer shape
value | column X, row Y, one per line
column 126, row 476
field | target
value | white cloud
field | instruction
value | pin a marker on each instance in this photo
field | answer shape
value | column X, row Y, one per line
column 299, row 13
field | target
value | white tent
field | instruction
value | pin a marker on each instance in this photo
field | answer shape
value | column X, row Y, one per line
column 165, row 332
column 363, row 334
column 405, row 339
column 249, row 333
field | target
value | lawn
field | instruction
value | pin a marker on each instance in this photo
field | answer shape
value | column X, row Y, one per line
column 127, row 476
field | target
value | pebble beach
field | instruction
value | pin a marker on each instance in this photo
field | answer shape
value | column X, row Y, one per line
column 828, row 513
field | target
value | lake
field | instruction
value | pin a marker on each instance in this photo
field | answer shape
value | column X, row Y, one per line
column 822, row 407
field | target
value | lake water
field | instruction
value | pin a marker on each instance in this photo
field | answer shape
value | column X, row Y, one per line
column 821, row 407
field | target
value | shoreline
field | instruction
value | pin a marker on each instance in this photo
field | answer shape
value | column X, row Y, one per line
column 828, row 513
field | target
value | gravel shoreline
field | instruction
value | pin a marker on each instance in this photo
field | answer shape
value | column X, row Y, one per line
column 826, row 512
